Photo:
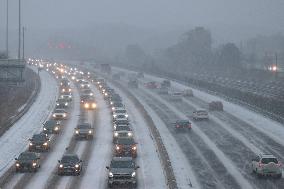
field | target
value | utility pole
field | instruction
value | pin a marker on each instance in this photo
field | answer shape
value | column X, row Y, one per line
column 24, row 42
column 19, row 47
column 276, row 64
column 7, row 30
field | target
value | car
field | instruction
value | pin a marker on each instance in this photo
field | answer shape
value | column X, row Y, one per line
column 62, row 104
column 116, row 105
column 166, row 83
column 200, row 115
column 187, row 93
column 151, row 85
column 66, row 96
column 182, row 125
column 89, row 103
column 100, row 81
column 216, row 106
column 65, row 89
column 119, row 116
column 88, row 92
column 70, row 164
column 65, row 82
column 125, row 146
column 27, row 161
column 108, row 93
column 115, row 98
column 59, row 114
column 39, row 142
column 133, row 83
column 84, row 85
column 84, row 130
column 266, row 165
column 121, row 122
column 51, row 127
column 122, row 170
column 122, row 131
column 84, row 97
column 121, row 110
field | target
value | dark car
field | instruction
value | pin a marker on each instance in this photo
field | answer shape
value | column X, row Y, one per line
column 70, row 164
column 122, row 170
column 125, row 146
column 84, row 130
column 51, row 127
column 115, row 105
column 182, row 125
column 120, row 122
column 39, row 142
column 62, row 103
column 27, row 161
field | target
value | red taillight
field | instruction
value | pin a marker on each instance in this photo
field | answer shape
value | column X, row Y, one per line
column 260, row 165
column 189, row 126
column 279, row 164
column 177, row 126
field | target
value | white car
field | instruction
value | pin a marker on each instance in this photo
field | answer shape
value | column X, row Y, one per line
column 121, row 122
column 200, row 115
column 59, row 114
column 266, row 165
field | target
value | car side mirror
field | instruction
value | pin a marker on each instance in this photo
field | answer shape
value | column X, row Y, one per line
column 58, row 161
column 107, row 167
column 137, row 167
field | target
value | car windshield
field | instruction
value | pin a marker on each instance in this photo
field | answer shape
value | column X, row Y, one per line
column 69, row 159
column 59, row 111
column 121, row 122
column 125, row 141
column 120, row 111
column 83, row 126
column 268, row 160
column 122, row 164
column 201, row 112
column 182, row 122
column 124, row 128
column 39, row 137
column 117, row 104
column 27, row 156
column 50, row 123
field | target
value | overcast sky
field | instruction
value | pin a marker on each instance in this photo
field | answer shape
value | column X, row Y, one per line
column 225, row 18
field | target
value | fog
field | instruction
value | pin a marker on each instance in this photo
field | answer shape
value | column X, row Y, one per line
column 108, row 25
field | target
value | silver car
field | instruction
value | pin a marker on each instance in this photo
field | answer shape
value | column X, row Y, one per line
column 266, row 165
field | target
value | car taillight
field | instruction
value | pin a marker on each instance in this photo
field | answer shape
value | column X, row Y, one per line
column 279, row 164
column 260, row 164
column 189, row 126
column 177, row 126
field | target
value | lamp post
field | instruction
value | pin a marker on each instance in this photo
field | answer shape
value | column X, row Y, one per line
column 24, row 42
column 19, row 45
column 7, row 30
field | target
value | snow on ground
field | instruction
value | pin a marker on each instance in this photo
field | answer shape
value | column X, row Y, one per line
column 96, row 174
column 15, row 140
column 151, row 172
column 45, row 172
column 182, row 169
column 231, row 168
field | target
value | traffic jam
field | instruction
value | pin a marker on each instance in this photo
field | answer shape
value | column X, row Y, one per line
column 122, row 168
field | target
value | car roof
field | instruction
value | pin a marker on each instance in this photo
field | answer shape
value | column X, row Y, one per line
column 267, row 156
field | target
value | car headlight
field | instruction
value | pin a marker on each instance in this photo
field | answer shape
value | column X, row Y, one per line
column 113, row 108
column 66, row 104
column 56, row 128
column 106, row 94
column 45, row 144
column 86, row 105
column 69, row 90
column 110, row 174
column 111, row 103
column 54, row 115
column 57, row 104
column 94, row 105
column 134, row 148
column 31, row 143
column 90, row 131
column 133, row 174
column 44, row 129
column 61, row 166
column 91, row 94
column 77, row 132
column 17, row 164
column 34, row 164
column 77, row 166
column 129, row 134
column 126, row 115
column 63, row 90
column 117, row 147
column 116, row 134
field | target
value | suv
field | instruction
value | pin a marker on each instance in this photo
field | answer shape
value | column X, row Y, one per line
column 216, row 106
column 120, row 122
column 200, row 115
column 122, row 170
column 69, row 164
column 66, row 96
column 61, row 103
column 116, row 105
column 59, row 114
column 39, row 142
column 265, row 165
column 27, row 161
column 125, row 146
column 89, row 103
column 182, row 125
column 51, row 127
column 84, row 130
